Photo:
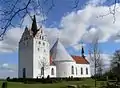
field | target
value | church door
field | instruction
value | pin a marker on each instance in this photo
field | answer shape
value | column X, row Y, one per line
column 24, row 73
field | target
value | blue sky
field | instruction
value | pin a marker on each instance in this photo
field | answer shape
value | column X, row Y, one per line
column 63, row 18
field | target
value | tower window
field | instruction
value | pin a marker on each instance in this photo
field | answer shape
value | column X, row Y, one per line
column 25, row 43
column 42, row 37
column 38, row 49
column 72, row 70
column 39, row 42
column 43, row 44
column 42, row 71
column 44, row 50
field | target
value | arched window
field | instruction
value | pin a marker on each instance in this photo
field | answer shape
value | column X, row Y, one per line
column 86, row 70
column 44, row 50
column 72, row 70
column 41, row 32
column 42, row 71
column 43, row 44
column 38, row 49
column 52, row 71
column 81, row 70
column 42, row 37
column 76, row 70
column 39, row 42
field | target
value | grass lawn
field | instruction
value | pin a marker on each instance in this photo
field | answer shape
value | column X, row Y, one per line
column 89, row 82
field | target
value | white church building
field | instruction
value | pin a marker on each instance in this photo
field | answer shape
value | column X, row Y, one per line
column 37, row 60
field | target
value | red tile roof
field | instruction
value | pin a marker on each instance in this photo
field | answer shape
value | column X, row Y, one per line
column 80, row 60
column 50, row 60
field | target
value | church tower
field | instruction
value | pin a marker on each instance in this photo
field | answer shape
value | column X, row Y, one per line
column 33, row 52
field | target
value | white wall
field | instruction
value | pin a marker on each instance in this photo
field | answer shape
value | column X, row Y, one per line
column 25, row 58
column 33, row 52
column 84, row 66
column 40, row 56
column 63, row 69
column 54, row 67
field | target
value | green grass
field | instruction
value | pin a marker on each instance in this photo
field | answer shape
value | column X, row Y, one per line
column 89, row 82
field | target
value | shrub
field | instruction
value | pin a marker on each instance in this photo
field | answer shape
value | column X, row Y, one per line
column 85, row 86
column 44, row 80
column 4, row 85
column 102, row 85
column 8, row 78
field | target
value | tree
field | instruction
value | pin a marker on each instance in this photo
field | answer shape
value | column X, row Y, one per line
column 115, row 63
column 95, row 57
column 112, row 10
column 43, row 66
column 18, row 9
column 100, row 67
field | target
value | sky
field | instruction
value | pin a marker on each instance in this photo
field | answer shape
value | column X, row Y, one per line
column 72, row 26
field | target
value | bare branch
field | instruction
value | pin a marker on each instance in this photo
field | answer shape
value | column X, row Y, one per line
column 95, row 57
column 76, row 4
column 112, row 11
column 13, row 11
column 12, row 16
column 51, row 7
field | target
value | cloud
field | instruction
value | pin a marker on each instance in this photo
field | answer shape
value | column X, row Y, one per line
column 52, row 34
column 106, row 60
column 83, row 25
column 86, row 24
column 8, row 67
column 13, row 35
column 78, row 46
column 8, row 70
column 11, row 39
column 96, row 2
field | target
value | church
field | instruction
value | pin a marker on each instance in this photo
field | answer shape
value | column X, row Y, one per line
column 37, row 60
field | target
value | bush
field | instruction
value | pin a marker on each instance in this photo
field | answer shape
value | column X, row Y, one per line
column 4, row 85
column 102, row 85
column 44, row 80
column 104, row 76
column 8, row 78
column 110, row 75
column 85, row 86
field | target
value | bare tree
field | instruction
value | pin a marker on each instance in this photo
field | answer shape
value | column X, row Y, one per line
column 115, row 64
column 43, row 66
column 100, row 66
column 95, row 57
column 112, row 10
column 11, row 10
